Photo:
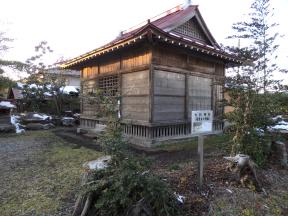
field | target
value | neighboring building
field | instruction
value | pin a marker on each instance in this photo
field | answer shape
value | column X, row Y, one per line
column 163, row 70
column 15, row 94
column 72, row 77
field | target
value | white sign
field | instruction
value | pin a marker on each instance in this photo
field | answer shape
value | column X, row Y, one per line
column 201, row 121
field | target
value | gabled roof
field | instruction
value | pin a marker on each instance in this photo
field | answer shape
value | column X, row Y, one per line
column 170, row 20
column 161, row 28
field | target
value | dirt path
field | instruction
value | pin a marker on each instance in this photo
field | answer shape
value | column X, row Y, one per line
column 70, row 136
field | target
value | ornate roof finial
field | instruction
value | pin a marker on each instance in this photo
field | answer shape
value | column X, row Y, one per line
column 187, row 3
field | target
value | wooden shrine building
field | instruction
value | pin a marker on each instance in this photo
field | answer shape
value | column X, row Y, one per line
column 163, row 69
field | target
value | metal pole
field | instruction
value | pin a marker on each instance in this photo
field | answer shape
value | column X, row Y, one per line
column 200, row 160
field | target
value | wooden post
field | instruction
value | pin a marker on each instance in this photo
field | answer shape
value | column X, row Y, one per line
column 186, row 102
column 200, row 159
column 151, row 86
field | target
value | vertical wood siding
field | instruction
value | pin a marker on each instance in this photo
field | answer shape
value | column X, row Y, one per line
column 88, row 108
column 137, row 59
column 109, row 66
column 218, row 103
column 169, row 96
column 135, row 96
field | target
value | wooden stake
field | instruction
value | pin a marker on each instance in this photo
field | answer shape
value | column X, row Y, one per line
column 200, row 159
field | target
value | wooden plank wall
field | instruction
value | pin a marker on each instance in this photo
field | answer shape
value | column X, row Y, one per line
column 175, row 84
column 169, row 58
column 183, row 83
column 88, row 108
column 219, row 70
column 176, row 59
column 135, row 96
column 218, row 102
column 134, row 59
column 135, row 91
column 200, row 65
column 127, row 60
column 169, row 96
column 109, row 66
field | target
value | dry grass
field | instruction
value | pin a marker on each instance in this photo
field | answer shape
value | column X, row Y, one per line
column 212, row 142
column 47, row 180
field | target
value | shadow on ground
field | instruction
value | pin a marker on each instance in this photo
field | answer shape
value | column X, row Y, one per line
column 70, row 136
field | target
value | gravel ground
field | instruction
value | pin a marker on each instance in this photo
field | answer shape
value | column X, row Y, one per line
column 16, row 153
column 18, row 150
column 40, row 173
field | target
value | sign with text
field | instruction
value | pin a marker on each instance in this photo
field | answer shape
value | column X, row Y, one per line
column 201, row 121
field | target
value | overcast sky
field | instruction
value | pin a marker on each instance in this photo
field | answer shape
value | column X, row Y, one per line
column 73, row 27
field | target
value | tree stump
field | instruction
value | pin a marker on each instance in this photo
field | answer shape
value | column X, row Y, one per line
column 246, row 169
column 279, row 153
column 84, row 202
column 141, row 208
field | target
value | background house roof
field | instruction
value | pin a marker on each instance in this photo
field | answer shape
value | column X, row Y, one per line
column 73, row 73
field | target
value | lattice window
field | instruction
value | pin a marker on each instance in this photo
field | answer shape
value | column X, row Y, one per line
column 109, row 85
column 191, row 29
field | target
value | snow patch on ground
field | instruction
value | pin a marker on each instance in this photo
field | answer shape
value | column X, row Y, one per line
column 15, row 121
column 240, row 159
column 277, row 117
column 7, row 104
column 179, row 198
column 100, row 163
column 282, row 125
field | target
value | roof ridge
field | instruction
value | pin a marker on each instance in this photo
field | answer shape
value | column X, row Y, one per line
column 154, row 18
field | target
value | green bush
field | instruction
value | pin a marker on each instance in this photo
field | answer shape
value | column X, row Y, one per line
column 119, row 187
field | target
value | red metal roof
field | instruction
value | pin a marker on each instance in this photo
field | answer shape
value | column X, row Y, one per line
column 175, row 17
column 163, row 24
column 162, row 21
